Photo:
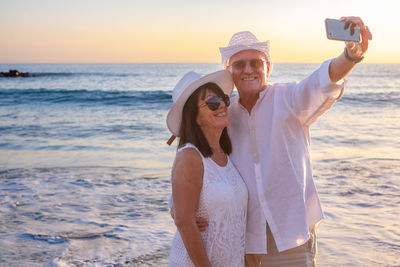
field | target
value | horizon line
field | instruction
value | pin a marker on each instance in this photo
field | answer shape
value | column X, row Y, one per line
column 281, row 62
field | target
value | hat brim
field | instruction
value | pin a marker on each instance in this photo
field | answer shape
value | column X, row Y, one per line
column 229, row 51
column 222, row 78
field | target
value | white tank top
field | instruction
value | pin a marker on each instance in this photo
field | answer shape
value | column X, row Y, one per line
column 223, row 202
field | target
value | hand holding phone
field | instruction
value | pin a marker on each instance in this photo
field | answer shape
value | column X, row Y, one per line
column 341, row 30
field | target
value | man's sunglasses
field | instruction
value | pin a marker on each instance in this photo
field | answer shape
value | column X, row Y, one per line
column 255, row 63
column 214, row 102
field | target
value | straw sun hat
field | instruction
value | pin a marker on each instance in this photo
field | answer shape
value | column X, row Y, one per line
column 186, row 86
column 243, row 41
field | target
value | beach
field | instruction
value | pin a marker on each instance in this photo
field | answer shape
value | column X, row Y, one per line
column 85, row 168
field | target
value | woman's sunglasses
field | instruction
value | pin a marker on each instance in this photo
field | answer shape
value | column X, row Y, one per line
column 214, row 102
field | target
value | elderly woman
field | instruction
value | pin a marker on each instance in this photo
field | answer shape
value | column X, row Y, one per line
column 205, row 183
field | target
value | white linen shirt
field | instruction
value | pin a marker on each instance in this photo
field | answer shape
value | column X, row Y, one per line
column 270, row 148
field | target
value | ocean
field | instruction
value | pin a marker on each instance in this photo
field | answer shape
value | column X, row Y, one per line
column 85, row 169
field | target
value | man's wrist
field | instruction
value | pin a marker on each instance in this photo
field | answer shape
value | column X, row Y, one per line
column 354, row 61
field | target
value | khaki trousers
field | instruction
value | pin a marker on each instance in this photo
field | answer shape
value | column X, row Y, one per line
column 304, row 255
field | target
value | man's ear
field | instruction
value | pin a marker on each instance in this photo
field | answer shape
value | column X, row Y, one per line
column 227, row 64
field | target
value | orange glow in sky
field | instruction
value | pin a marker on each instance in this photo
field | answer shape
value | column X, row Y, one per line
column 181, row 31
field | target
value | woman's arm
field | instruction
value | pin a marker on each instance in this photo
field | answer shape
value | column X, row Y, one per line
column 187, row 181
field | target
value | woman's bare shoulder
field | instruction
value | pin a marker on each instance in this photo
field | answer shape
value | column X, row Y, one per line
column 188, row 165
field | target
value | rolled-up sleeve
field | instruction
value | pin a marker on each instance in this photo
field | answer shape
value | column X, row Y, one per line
column 314, row 95
column 328, row 88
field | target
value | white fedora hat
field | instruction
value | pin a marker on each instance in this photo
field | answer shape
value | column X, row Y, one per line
column 186, row 86
column 243, row 41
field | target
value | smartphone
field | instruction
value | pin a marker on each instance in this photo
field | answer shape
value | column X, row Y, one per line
column 335, row 31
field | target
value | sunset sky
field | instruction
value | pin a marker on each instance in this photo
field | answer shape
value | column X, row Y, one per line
column 94, row 31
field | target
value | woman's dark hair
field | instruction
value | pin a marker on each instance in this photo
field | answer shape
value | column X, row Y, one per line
column 190, row 131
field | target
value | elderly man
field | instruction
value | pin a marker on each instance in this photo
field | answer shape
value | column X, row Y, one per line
column 270, row 137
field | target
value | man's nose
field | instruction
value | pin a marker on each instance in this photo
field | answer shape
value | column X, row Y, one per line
column 247, row 67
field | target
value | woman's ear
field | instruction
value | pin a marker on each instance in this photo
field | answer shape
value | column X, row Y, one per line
column 198, row 121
